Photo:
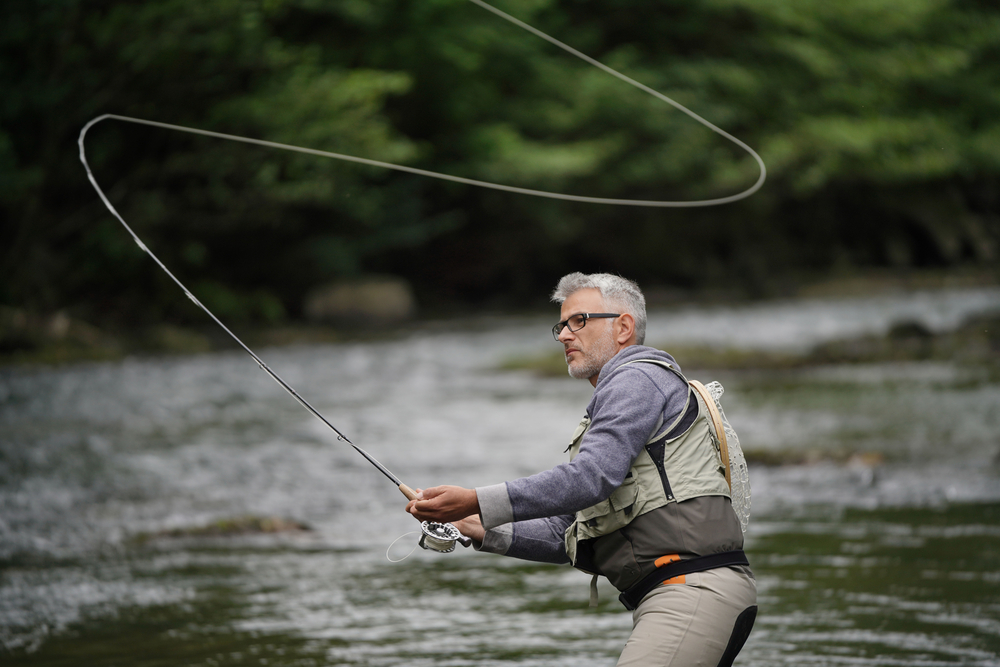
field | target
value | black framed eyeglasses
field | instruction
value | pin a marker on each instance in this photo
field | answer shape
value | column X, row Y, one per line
column 578, row 321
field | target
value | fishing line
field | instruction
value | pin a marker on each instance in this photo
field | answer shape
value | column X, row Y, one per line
column 393, row 543
column 438, row 536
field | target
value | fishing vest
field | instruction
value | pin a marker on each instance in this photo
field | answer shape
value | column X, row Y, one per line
column 680, row 461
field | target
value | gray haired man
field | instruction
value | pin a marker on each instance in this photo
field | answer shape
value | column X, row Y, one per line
column 643, row 500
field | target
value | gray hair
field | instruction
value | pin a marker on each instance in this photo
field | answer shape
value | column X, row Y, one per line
column 619, row 293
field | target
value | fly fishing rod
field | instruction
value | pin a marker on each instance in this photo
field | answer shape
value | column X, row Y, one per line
column 407, row 491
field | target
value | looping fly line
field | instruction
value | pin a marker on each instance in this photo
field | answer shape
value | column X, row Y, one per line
column 421, row 172
column 486, row 184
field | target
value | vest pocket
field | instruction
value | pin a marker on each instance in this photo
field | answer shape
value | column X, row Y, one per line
column 611, row 514
column 593, row 513
column 624, row 497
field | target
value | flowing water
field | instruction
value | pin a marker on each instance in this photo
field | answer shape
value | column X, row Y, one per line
column 879, row 545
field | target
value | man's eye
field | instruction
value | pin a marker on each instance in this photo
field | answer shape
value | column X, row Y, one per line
column 577, row 321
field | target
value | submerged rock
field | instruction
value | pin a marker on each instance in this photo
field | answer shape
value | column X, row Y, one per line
column 974, row 341
column 777, row 458
column 173, row 339
column 372, row 301
column 244, row 525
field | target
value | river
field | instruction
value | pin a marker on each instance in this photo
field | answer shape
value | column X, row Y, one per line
column 879, row 545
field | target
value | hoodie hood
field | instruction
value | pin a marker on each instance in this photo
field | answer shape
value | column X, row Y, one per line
column 632, row 353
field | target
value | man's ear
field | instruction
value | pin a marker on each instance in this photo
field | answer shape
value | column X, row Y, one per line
column 626, row 330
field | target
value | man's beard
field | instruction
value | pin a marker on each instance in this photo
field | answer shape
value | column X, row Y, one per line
column 594, row 360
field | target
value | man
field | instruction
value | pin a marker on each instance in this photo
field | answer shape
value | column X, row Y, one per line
column 643, row 500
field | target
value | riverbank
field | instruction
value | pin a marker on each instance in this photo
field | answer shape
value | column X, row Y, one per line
column 60, row 338
column 974, row 341
column 56, row 339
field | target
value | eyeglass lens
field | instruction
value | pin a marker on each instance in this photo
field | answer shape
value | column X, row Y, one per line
column 574, row 323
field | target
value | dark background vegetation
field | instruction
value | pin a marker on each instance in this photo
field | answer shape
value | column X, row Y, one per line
column 879, row 121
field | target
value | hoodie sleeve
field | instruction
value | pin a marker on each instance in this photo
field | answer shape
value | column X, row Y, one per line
column 626, row 407
column 539, row 540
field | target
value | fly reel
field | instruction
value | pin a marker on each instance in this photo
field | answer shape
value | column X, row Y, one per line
column 441, row 537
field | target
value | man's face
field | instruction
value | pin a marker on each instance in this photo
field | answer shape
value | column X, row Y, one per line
column 588, row 349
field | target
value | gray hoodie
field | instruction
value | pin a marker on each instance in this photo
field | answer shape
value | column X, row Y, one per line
column 527, row 518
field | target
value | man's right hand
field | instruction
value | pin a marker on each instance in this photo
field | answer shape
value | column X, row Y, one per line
column 444, row 504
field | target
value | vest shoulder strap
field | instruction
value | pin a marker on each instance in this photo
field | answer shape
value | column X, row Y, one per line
column 713, row 411
column 720, row 429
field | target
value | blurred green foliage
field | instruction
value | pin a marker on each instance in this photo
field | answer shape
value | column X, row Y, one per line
column 879, row 121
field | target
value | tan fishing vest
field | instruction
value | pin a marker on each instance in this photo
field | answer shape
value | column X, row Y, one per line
column 668, row 469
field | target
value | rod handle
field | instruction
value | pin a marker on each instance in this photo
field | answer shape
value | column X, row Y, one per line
column 408, row 492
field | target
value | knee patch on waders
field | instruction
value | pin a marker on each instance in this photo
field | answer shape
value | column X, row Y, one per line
column 741, row 630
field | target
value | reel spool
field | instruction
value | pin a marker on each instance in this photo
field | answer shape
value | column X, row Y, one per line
column 441, row 537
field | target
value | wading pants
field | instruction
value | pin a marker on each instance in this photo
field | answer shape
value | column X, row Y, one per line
column 690, row 624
